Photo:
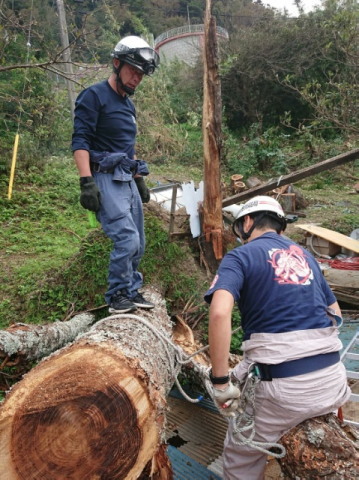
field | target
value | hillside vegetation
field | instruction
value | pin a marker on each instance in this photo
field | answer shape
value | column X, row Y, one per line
column 290, row 99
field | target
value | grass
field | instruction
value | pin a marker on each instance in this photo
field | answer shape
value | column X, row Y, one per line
column 55, row 264
column 42, row 227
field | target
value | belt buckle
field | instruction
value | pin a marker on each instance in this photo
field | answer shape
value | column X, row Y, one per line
column 263, row 372
column 96, row 167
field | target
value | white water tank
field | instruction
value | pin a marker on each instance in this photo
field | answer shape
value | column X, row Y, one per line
column 184, row 43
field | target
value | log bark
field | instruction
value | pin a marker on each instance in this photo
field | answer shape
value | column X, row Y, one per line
column 96, row 408
column 32, row 342
column 321, row 448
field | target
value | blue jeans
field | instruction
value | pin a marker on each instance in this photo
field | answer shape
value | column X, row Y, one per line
column 121, row 217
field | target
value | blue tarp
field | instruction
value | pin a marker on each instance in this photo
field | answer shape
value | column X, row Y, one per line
column 185, row 468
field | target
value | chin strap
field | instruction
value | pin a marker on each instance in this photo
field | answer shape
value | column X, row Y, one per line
column 119, row 83
column 238, row 225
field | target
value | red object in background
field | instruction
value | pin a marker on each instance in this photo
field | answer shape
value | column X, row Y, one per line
column 350, row 263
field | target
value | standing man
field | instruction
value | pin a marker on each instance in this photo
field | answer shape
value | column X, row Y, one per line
column 289, row 319
column 111, row 179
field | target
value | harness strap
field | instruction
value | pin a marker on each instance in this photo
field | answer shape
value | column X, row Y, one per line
column 297, row 367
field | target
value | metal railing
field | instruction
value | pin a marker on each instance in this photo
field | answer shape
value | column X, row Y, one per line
column 351, row 353
column 174, row 32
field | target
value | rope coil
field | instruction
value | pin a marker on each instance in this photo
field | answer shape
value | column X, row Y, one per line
column 242, row 421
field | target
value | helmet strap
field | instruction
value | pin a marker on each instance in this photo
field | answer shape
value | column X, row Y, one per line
column 239, row 225
column 119, row 82
column 239, row 231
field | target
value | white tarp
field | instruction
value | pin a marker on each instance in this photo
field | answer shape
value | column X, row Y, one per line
column 187, row 196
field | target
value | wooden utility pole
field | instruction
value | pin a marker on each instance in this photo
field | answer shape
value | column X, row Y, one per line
column 212, row 117
column 66, row 54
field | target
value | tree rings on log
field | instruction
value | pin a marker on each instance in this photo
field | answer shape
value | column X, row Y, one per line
column 95, row 409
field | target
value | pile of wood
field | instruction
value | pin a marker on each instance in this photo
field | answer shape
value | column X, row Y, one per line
column 288, row 196
column 345, row 285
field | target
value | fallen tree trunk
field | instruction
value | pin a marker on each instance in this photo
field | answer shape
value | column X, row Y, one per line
column 321, row 447
column 96, row 408
column 32, row 342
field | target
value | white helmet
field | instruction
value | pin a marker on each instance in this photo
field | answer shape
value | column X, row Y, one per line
column 136, row 52
column 261, row 203
column 268, row 206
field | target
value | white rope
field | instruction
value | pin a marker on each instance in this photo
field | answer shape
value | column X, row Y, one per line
column 241, row 421
column 244, row 422
column 179, row 355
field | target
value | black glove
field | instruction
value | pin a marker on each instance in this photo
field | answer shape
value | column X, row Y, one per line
column 142, row 189
column 90, row 194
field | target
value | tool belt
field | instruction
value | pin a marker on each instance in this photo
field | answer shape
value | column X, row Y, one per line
column 296, row 367
column 96, row 167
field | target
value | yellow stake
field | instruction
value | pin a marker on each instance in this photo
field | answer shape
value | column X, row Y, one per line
column 13, row 163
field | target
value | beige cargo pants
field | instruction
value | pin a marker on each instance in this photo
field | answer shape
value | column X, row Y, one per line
column 280, row 405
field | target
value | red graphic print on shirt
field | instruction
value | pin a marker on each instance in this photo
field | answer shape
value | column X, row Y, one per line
column 290, row 266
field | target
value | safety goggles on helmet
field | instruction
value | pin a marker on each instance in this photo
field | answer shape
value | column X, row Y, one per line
column 144, row 58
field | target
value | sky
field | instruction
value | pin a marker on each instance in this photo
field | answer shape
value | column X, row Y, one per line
column 308, row 5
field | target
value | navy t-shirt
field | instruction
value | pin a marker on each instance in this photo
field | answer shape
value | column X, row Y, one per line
column 104, row 121
column 277, row 285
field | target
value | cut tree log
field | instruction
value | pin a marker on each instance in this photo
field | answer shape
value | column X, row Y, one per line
column 321, row 448
column 96, row 408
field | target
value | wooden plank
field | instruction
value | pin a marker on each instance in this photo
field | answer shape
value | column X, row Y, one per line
column 293, row 177
column 344, row 297
column 342, row 278
column 332, row 236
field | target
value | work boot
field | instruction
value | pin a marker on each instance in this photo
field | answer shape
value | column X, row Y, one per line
column 140, row 302
column 121, row 304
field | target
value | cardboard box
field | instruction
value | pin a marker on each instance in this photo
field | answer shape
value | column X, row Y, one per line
column 320, row 246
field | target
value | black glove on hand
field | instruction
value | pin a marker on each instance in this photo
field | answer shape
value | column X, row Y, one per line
column 142, row 189
column 90, row 194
